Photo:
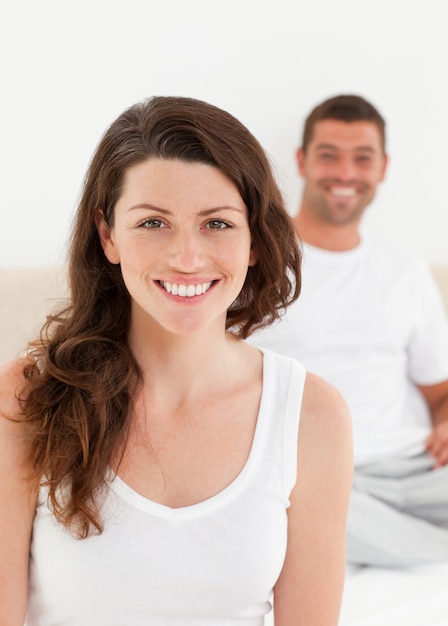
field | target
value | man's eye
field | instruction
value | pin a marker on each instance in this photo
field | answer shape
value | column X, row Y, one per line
column 217, row 224
column 152, row 223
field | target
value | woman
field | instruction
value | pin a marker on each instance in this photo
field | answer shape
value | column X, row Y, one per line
column 151, row 468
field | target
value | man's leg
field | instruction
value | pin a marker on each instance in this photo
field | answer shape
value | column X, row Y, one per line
column 409, row 485
column 397, row 513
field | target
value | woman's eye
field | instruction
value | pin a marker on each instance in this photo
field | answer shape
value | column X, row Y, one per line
column 217, row 224
column 152, row 223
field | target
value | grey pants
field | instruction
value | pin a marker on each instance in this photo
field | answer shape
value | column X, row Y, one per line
column 398, row 513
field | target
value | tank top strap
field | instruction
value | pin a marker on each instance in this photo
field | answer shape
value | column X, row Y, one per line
column 286, row 383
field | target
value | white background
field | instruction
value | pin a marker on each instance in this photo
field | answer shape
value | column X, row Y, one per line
column 68, row 69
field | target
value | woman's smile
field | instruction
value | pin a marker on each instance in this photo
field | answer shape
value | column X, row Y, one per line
column 186, row 290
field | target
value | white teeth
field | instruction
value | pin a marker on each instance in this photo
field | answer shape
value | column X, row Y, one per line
column 186, row 291
column 345, row 192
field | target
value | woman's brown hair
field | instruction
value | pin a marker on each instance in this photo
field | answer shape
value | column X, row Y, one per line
column 82, row 382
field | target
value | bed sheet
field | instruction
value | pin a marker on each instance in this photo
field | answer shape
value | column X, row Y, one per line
column 374, row 596
column 413, row 596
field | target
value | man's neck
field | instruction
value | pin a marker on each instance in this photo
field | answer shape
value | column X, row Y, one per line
column 320, row 234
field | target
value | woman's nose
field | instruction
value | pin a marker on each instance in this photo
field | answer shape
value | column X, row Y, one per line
column 186, row 253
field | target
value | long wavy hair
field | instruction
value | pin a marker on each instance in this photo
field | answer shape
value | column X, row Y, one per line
column 82, row 380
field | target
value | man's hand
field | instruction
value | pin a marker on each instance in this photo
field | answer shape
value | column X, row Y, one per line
column 437, row 444
column 436, row 397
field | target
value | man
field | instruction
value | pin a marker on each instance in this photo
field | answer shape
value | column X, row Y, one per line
column 371, row 321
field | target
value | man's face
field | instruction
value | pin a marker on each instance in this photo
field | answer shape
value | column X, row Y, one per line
column 342, row 166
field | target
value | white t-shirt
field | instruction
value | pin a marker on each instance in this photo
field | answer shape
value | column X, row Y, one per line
column 212, row 563
column 371, row 322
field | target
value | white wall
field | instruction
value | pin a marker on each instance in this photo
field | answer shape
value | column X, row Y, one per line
column 68, row 69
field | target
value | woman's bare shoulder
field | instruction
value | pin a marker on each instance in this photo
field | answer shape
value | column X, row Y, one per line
column 14, row 433
column 319, row 396
column 12, row 384
column 325, row 416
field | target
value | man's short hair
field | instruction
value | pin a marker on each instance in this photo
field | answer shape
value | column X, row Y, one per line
column 346, row 108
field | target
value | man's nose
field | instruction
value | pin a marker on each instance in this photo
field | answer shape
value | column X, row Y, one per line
column 346, row 169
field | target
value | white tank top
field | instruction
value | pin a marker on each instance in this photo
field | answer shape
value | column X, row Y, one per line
column 212, row 563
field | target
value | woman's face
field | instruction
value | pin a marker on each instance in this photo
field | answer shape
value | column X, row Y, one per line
column 182, row 238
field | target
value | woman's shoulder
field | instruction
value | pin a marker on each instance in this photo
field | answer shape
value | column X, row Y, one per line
column 12, row 385
column 320, row 394
column 14, row 434
column 325, row 417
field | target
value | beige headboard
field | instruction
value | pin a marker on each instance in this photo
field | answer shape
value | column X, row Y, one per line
column 27, row 295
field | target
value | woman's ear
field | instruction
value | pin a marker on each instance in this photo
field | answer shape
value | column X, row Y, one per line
column 107, row 240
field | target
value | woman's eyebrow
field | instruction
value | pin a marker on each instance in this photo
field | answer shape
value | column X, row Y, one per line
column 203, row 212
column 220, row 208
